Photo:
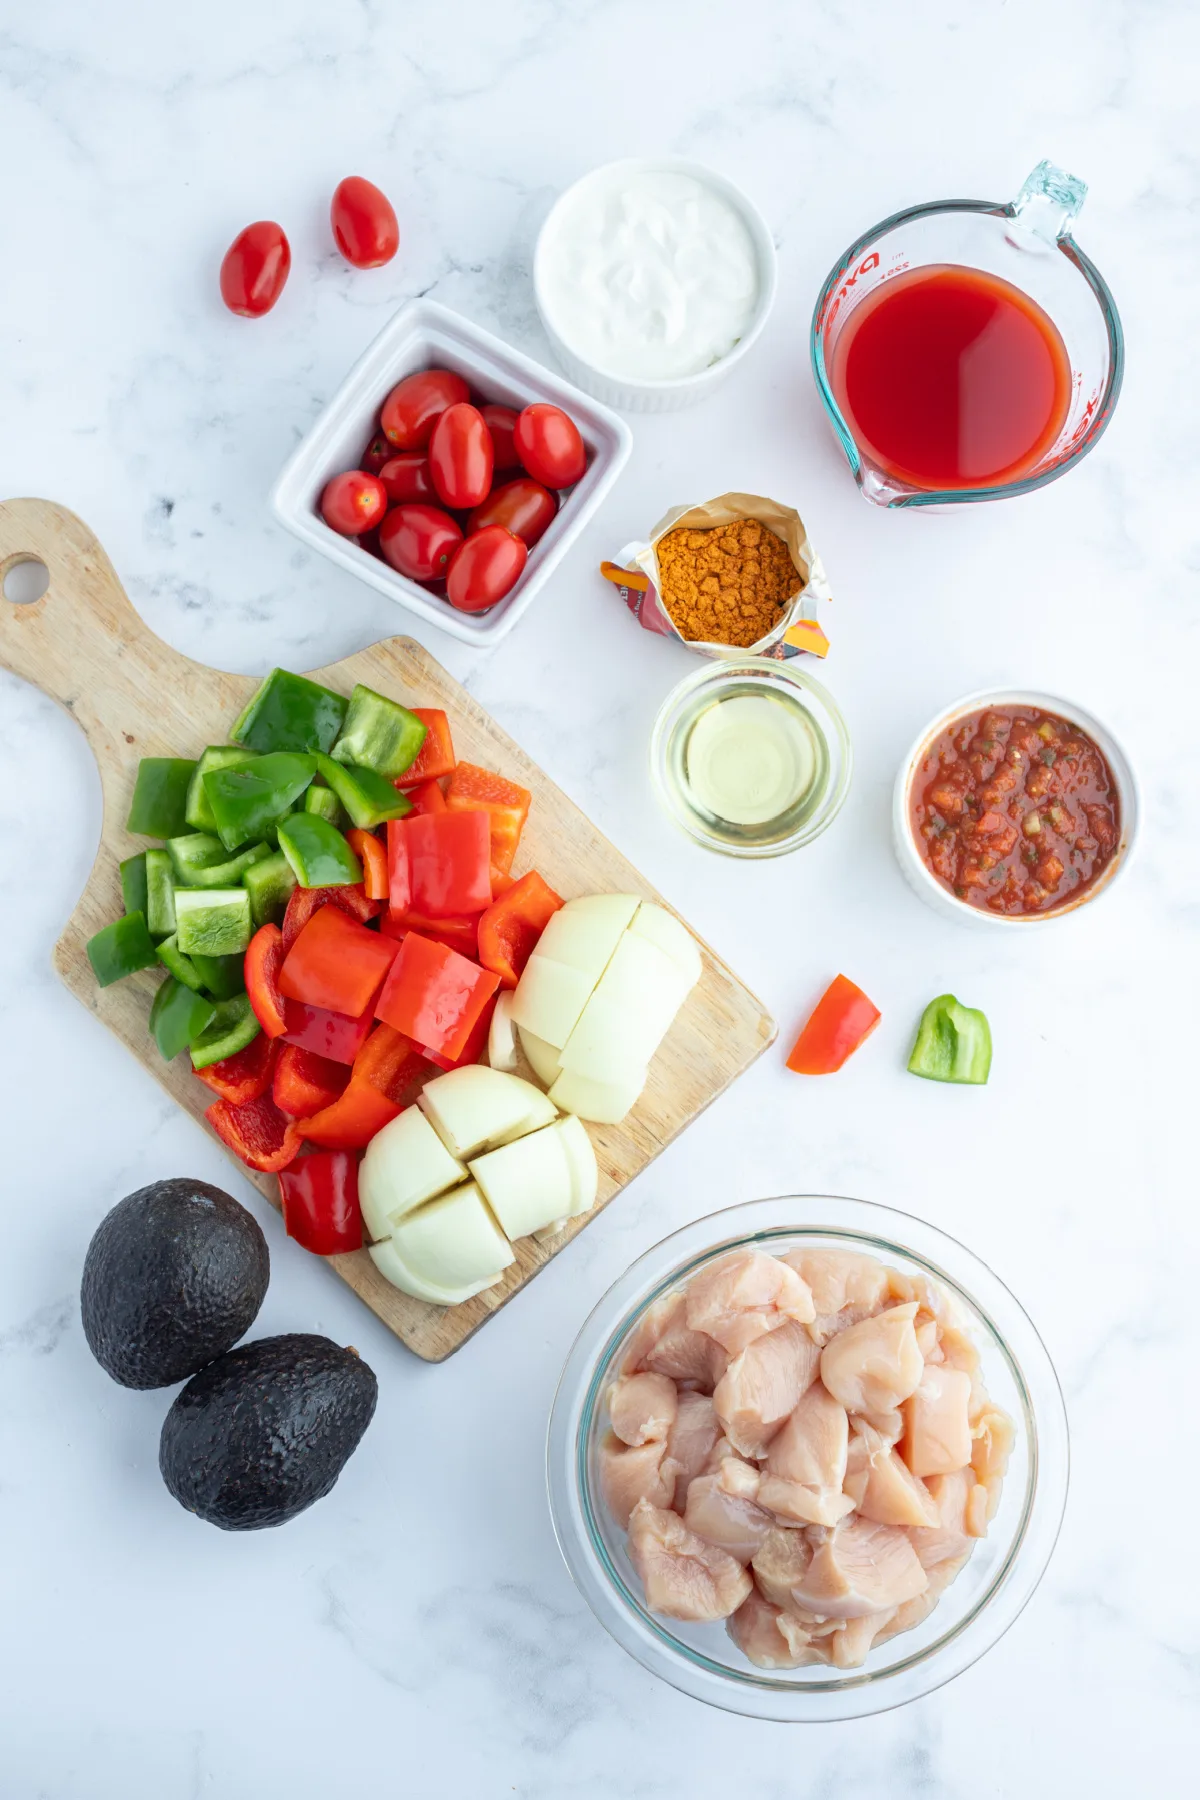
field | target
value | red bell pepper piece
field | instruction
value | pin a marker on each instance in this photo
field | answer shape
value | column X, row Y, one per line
column 473, row 1048
column 258, row 1132
column 244, row 1075
column 320, row 1202
column 352, row 1121
column 373, row 857
column 328, row 1033
column 434, row 995
column 399, row 869
column 435, row 758
column 473, row 789
column 305, row 1083
column 511, row 926
column 260, row 971
column 392, row 1063
column 336, row 963
column 456, row 934
column 837, row 1025
column 305, row 902
column 428, row 798
column 449, row 864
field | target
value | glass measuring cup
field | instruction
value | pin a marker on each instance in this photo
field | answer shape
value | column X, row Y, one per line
column 1026, row 242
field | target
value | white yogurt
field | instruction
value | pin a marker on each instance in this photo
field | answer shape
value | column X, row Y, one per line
column 648, row 274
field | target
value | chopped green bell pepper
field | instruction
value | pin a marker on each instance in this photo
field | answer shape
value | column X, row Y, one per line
column 133, row 883
column 368, row 798
column 233, row 1027
column 290, row 713
column 160, row 898
column 199, row 813
column 246, row 800
column 954, row 1043
column 159, row 805
column 319, row 855
column 190, row 857
column 193, row 853
column 213, row 921
column 180, row 966
column 178, row 1016
column 325, row 803
column 121, row 949
column 222, row 976
column 270, row 885
column 379, row 734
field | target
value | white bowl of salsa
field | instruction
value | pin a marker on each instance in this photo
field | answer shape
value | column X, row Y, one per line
column 1013, row 807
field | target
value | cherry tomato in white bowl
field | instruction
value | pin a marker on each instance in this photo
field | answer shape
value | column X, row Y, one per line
column 354, row 502
column 485, row 567
column 460, row 457
column 549, row 446
column 413, row 407
column 419, row 541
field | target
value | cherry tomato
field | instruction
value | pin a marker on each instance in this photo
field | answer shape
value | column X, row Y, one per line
column 377, row 452
column 353, row 502
column 460, row 457
column 255, row 268
column 549, row 446
column 364, row 223
column 406, row 477
column 523, row 507
column 484, row 568
column 419, row 541
column 412, row 408
column 501, row 421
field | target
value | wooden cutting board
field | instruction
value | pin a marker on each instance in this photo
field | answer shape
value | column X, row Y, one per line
column 84, row 645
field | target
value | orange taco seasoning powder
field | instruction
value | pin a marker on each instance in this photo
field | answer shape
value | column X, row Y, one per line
column 727, row 585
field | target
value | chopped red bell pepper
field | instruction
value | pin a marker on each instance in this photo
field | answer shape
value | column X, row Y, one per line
column 472, row 1050
column 392, row 1063
column 428, row 798
column 328, row 1033
column 373, row 857
column 260, row 971
column 336, row 963
column 511, row 926
column 473, row 789
column 258, row 1132
column 353, row 1119
column 305, row 1083
column 320, row 1202
column 501, row 882
column 837, row 1025
column 244, row 1075
column 305, row 902
column 449, row 864
column 435, row 758
column 399, row 869
column 434, row 995
column 456, row 934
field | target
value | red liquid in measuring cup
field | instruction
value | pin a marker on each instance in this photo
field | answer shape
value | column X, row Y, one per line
column 951, row 378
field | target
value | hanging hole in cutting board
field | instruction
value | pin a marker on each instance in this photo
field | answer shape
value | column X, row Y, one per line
column 26, row 580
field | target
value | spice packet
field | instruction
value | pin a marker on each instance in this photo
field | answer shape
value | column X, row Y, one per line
column 635, row 574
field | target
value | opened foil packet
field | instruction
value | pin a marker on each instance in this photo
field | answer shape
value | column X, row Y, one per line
column 635, row 573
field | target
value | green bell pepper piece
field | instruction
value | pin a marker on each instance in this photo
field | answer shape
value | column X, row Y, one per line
column 954, row 1043
column 221, row 976
column 379, row 734
column 290, row 713
column 233, row 1027
column 159, row 804
column 213, row 921
column 160, row 897
column 193, row 853
column 121, row 949
column 368, row 798
column 180, row 966
column 199, row 813
column 133, row 883
column 178, row 1016
column 270, row 885
column 325, row 803
column 319, row 855
column 226, row 873
column 245, row 801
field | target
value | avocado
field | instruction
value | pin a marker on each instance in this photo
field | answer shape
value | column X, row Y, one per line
column 261, row 1433
column 174, row 1276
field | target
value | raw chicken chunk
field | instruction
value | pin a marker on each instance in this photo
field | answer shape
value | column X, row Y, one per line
column 860, row 1568
column 993, row 1434
column 767, row 1637
column 937, row 1431
column 642, row 1408
column 683, row 1576
column 665, row 1344
column 797, row 1504
column 806, row 1462
column 629, row 1475
column 874, row 1365
column 882, row 1488
column 781, row 1564
column 845, row 1287
column 763, row 1385
column 743, row 1296
column 849, row 1646
column 735, row 1524
column 959, row 1502
column 691, row 1441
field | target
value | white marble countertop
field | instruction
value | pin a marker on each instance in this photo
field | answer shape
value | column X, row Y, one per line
column 417, row 1631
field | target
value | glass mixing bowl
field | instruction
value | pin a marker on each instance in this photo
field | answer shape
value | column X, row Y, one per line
column 976, row 1609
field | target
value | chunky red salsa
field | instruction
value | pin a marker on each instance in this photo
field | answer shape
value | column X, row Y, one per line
column 1016, row 811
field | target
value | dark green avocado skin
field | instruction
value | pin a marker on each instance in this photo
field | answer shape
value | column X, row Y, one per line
column 263, row 1432
column 174, row 1276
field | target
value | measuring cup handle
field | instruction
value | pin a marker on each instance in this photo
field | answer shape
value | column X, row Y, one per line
column 1049, row 202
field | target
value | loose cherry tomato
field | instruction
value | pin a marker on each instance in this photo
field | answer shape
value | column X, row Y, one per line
column 377, row 452
column 364, row 223
column 353, row 502
column 460, row 456
column 255, row 268
column 406, row 477
column 484, row 568
column 501, row 422
column 523, row 507
column 549, row 446
column 412, row 408
column 419, row 541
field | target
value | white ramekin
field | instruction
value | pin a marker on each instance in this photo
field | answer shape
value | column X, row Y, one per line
column 912, row 863
column 681, row 390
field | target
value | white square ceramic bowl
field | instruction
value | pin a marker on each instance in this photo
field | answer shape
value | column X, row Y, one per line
column 424, row 335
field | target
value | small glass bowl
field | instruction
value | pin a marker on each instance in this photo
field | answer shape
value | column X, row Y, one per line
column 678, row 714
column 978, row 1606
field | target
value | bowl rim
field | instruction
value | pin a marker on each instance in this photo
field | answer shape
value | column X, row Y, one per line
column 752, row 218
column 1124, row 774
